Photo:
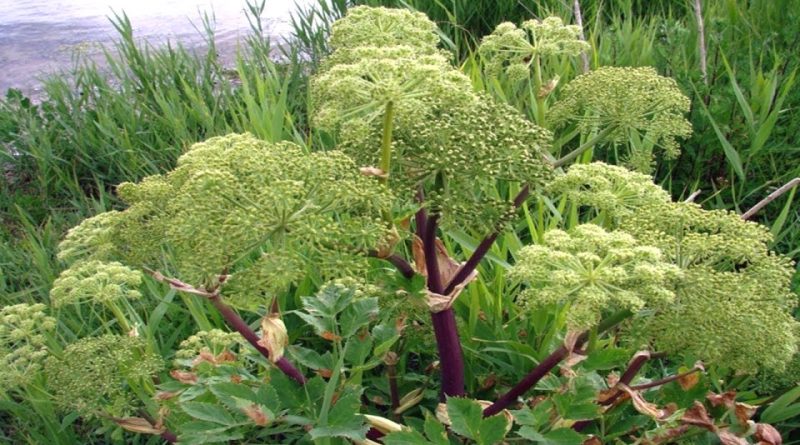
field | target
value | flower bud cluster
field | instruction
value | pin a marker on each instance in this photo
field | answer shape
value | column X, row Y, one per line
column 94, row 375
column 23, row 349
column 96, row 281
column 512, row 50
column 637, row 103
column 734, row 301
column 594, row 271
column 261, row 213
column 214, row 341
column 448, row 140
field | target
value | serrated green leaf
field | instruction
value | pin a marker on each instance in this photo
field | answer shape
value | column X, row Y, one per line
column 492, row 430
column 358, row 315
column 344, row 420
column 405, row 438
column 208, row 412
column 561, row 436
column 465, row 416
column 311, row 358
column 435, row 431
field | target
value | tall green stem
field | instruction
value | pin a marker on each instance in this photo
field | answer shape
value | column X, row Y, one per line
column 585, row 146
column 386, row 142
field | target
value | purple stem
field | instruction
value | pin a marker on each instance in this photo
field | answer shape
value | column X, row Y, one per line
column 451, row 359
column 397, row 261
column 235, row 321
column 169, row 436
column 431, row 262
column 547, row 365
column 482, row 249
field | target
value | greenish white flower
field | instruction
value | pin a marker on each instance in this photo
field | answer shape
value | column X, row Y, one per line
column 96, row 281
column 594, row 272
column 382, row 27
column 23, row 349
column 94, row 375
column 215, row 341
column 513, row 50
column 734, row 303
column 641, row 108
column 260, row 213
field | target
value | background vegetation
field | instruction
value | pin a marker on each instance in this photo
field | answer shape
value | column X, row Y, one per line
column 97, row 127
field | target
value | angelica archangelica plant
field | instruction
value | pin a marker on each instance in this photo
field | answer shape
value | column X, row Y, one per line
column 89, row 239
column 594, row 271
column 94, row 375
column 23, row 343
column 635, row 107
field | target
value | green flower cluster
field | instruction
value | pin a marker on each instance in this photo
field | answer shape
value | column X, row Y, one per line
column 96, row 281
column 384, row 27
column 614, row 191
column 639, row 107
column 733, row 303
column 513, row 50
column 257, row 212
column 593, row 271
column 91, row 239
column 23, row 349
column 95, row 374
column 215, row 341
column 445, row 139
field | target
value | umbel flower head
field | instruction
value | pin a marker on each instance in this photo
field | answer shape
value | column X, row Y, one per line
column 594, row 271
column 446, row 139
column 258, row 212
column 457, row 155
column 641, row 108
column 96, row 281
column 613, row 191
column 94, row 375
column 512, row 50
column 357, row 92
column 23, row 349
column 733, row 304
column 384, row 27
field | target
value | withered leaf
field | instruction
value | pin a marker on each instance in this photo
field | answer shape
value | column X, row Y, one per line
column 185, row 377
column 766, row 434
column 697, row 415
column 256, row 414
column 137, row 425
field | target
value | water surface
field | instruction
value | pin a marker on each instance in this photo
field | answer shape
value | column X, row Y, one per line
column 41, row 36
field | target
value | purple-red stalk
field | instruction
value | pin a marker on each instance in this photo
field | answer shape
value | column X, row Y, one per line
column 547, row 365
column 482, row 249
column 235, row 321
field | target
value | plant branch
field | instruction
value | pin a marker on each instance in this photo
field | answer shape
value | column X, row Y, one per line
column 547, row 365
column 431, row 260
column 771, row 197
column 483, row 248
column 234, row 321
column 397, row 261
column 665, row 380
column 585, row 146
column 386, row 142
column 451, row 357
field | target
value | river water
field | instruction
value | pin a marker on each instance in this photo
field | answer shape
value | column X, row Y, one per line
column 42, row 36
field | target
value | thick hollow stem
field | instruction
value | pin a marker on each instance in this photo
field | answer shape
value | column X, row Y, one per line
column 397, row 261
column 451, row 359
column 235, row 321
column 547, row 365
column 482, row 249
column 431, row 261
